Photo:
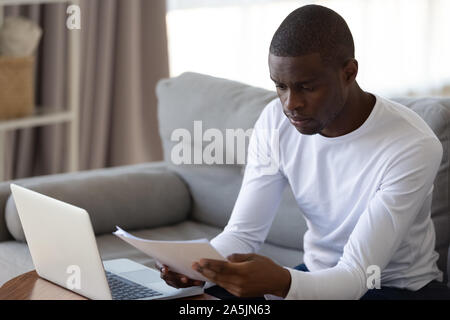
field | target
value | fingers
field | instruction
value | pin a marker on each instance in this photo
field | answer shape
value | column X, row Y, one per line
column 240, row 257
column 219, row 272
column 231, row 267
column 230, row 275
column 242, row 275
column 217, row 266
column 177, row 280
column 159, row 265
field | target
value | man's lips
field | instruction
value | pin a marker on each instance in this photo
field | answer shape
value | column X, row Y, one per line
column 299, row 121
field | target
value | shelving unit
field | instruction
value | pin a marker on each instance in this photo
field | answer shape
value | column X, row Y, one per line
column 49, row 116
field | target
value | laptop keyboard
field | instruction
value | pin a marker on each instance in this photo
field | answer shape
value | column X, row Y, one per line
column 124, row 289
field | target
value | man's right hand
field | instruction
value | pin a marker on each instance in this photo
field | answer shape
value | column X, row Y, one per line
column 175, row 279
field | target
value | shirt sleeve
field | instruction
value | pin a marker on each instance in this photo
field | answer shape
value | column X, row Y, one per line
column 260, row 194
column 380, row 229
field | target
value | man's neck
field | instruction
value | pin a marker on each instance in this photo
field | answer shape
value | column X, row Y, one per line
column 357, row 109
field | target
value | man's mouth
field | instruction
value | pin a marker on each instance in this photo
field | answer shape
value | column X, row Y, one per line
column 299, row 121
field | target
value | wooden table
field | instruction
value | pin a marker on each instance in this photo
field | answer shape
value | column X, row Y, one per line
column 29, row 286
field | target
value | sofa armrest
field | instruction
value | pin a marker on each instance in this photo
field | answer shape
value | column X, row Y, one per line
column 133, row 197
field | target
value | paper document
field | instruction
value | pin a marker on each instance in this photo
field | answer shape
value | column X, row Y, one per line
column 177, row 255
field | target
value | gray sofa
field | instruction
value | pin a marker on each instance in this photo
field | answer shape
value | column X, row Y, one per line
column 166, row 201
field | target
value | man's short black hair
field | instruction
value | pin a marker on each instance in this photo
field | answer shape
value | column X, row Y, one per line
column 314, row 29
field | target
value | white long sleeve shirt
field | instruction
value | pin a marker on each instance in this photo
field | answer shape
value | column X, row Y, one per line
column 366, row 198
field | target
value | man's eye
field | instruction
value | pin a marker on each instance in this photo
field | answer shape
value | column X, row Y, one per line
column 280, row 87
column 310, row 89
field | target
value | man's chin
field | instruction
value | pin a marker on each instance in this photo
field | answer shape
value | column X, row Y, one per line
column 307, row 131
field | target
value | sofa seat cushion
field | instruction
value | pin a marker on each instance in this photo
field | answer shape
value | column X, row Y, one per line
column 15, row 259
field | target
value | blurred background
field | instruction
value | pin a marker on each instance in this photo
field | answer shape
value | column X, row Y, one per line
column 125, row 46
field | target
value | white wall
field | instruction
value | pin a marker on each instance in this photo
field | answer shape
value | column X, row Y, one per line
column 401, row 45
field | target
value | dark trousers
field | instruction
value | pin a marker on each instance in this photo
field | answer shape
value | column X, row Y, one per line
column 432, row 291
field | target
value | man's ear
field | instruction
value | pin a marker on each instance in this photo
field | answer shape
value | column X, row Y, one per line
column 349, row 71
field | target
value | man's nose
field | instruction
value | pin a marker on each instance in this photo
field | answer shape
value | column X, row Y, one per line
column 294, row 101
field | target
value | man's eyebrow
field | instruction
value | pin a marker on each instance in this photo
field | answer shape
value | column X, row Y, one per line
column 273, row 79
column 299, row 82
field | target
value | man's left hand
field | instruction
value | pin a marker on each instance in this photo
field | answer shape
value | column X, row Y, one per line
column 246, row 275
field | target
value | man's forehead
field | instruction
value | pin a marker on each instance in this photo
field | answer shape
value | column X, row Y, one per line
column 299, row 68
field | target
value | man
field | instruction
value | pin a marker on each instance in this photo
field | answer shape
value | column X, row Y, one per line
column 361, row 168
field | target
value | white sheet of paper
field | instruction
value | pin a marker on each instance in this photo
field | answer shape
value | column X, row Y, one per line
column 177, row 255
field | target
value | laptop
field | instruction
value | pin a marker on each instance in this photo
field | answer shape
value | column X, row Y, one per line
column 64, row 251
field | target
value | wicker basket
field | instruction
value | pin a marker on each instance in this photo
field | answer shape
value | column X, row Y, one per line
column 16, row 87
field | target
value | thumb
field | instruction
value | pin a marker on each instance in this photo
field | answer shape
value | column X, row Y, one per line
column 240, row 257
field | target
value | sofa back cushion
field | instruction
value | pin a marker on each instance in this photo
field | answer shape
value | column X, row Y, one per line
column 436, row 113
column 222, row 104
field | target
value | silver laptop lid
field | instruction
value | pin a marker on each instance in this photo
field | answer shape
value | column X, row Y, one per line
column 62, row 243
